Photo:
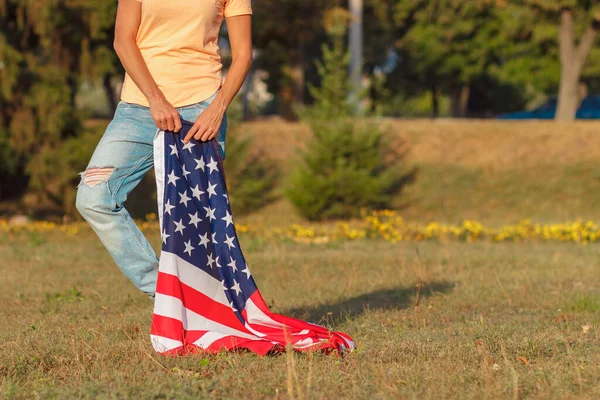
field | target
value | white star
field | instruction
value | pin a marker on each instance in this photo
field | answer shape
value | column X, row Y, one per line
column 211, row 189
column 165, row 235
column 204, row 240
column 227, row 218
column 232, row 307
column 174, row 150
column 224, row 286
column 210, row 212
column 180, row 226
column 184, row 198
column 236, row 287
column 232, row 264
column 200, row 163
column 185, row 172
column 229, row 241
column 188, row 146
column 246, row 271
column 211, row 260
column 194, row 219
column 168, row 207
column 172, row 178
column 226, row 197
column 196, row 192
column 212, row 165
column 217, row 261
column 214, row 239
column 188, row 247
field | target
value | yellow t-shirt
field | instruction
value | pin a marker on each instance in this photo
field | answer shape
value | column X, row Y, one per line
column 178, row 41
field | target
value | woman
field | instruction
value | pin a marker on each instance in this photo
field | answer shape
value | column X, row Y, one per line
column 173, row 72
column 204, row 295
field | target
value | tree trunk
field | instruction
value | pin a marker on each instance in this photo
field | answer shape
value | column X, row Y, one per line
column 110, row 93
column 356, row 52
column 568, row 96
column 460, row 100
column 435, row 107
column 572, row 59
column 298, row 74
column 286, row 109
column 73, row 85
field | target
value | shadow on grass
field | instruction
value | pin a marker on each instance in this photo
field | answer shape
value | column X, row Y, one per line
column 384, row 299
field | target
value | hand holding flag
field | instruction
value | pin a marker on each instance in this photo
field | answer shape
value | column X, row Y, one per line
column 206, row 297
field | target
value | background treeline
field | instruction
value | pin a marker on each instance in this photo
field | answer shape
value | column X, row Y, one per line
column 461, row 58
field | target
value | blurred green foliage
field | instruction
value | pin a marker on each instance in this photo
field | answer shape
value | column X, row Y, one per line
column 46, row 49
column 342, row 170
column 251, row 175
column 434, row 57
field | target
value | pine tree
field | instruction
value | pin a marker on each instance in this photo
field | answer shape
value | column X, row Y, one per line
column 342, row 170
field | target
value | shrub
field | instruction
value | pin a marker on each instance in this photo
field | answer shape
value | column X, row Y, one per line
column 342, row 170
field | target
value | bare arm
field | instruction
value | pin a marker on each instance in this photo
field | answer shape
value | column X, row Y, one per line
column 126, row 27
column 209, row 121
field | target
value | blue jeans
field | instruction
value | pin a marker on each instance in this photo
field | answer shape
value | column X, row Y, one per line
column 122, row 157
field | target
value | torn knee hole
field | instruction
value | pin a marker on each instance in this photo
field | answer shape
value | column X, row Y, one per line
column 93, row 176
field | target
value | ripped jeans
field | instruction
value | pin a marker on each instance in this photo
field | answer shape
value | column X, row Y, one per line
column 122, row 157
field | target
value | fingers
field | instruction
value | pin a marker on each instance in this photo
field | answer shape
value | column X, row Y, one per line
column 174, row 121
column 203, row 129
column 200, row 135
column 190, row 133
column 208, row 134
column 168, row 121
column 162, row 124
column 177, row 124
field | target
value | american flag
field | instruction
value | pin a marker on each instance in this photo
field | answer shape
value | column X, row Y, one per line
column 206, row 297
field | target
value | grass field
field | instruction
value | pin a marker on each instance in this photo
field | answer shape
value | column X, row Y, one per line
column 453, row 319
column 458, row 320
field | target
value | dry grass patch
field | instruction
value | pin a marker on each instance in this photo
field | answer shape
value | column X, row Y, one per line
column 456, row 320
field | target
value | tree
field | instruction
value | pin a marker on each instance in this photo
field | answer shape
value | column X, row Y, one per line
column 572, row 60
column 286, row 35
column 447, row 44
column 45, row 49
column 550, row 55
column 342, row 170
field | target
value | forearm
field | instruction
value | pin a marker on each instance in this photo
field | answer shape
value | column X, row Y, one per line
column 133, row 62
column 234, row 81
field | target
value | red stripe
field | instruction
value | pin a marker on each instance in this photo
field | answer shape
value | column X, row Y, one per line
column 173, row 329
column 233, row 343
column 204, row 305
column 198, row 302
column 294, row 325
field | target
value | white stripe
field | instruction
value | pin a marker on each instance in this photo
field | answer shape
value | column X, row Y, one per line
column 210, row 337
column 163, row 344
column 192, row 276
column 350, row 344
column 257, row 333
column 172, row 307
column 302, row 332
column 159, row 172
column 256, row 317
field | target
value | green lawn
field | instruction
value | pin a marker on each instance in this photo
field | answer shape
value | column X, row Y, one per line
column 433, row 320
column 488, row 320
